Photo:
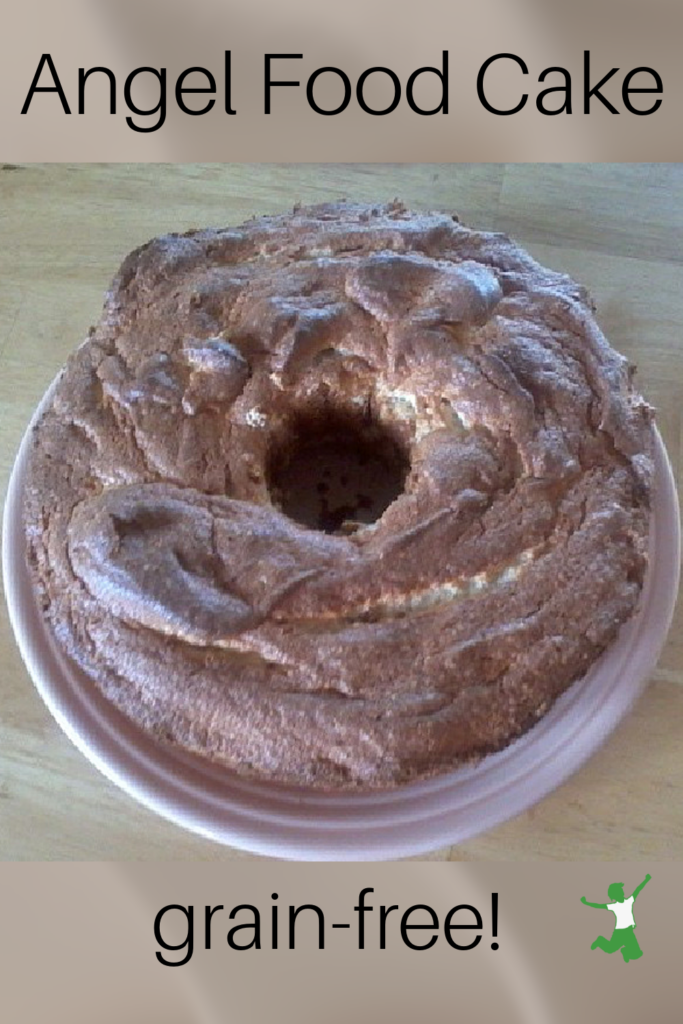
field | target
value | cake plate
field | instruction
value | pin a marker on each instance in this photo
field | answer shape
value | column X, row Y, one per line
column 304, row 824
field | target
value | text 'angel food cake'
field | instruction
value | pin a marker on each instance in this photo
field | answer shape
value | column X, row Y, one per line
column 342, row 498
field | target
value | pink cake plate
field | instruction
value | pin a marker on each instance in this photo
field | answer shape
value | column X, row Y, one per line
column 302, row 824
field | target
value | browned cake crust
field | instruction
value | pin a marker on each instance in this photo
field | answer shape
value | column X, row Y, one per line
column 229, row 361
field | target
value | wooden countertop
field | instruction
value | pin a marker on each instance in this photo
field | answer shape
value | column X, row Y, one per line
column 64, row 230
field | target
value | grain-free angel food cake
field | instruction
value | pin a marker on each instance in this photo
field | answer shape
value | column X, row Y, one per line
column 342, row 498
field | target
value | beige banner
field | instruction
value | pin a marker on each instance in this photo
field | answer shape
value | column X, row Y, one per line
column 124, row 35
column 78, row 944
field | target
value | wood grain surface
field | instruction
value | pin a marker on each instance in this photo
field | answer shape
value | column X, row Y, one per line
column 63, row 232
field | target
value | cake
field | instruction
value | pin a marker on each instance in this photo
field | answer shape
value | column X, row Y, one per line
column 342, row 498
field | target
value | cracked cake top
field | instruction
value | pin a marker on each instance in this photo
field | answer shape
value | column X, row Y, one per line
column 344, row 498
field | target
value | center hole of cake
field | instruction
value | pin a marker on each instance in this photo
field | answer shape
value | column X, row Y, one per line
column 336, row 473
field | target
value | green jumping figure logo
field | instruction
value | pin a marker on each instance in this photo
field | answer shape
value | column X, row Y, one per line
column 623, row 936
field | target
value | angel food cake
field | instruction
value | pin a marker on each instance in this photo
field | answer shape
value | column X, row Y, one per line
column 343, row 498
